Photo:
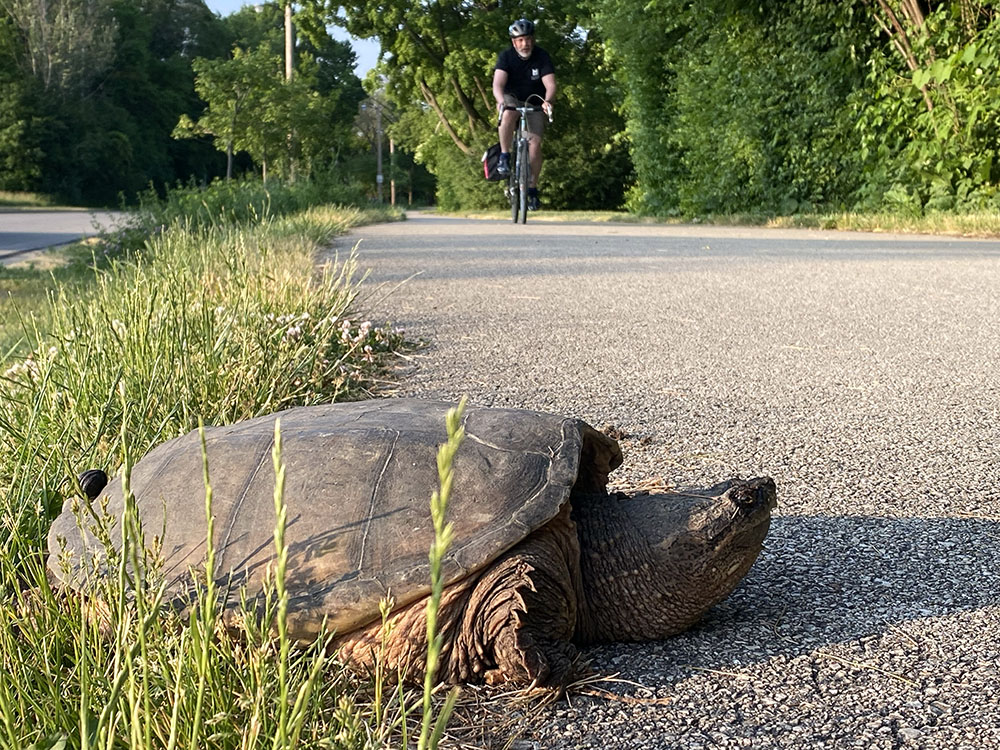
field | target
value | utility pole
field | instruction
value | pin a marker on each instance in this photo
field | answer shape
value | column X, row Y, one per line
column 378, row 140
column 289, row 40
column 289, row 68
column 392, row 172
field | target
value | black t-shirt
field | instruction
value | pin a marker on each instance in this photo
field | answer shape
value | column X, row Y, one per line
column 524, row 77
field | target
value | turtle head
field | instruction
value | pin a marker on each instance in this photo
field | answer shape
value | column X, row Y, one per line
column 703, row 544
column 665, row 559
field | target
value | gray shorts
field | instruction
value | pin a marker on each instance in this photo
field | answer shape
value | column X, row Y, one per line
column 536, row 120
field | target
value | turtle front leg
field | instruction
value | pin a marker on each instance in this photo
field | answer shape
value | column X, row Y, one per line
column 520, row 617
column 515, row 623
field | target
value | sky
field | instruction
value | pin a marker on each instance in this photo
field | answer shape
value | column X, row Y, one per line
column 366, row 49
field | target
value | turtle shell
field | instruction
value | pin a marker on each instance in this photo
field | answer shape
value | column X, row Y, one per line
column 358, row 482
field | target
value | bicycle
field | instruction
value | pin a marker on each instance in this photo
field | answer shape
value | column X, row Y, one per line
column 516, row 188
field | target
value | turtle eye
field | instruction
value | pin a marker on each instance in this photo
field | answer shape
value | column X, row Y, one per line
column 745, row 496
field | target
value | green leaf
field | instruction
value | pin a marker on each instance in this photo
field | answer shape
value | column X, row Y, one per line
column 984, row 168
column 52, row 742
column 940, row 70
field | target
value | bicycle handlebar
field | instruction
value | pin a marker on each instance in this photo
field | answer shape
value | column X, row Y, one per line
column 523, row 110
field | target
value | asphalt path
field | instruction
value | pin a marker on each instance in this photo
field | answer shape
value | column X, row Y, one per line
column 25, row 232
column 858, row 370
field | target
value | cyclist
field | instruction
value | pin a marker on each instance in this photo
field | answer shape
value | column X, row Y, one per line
column 523, row 69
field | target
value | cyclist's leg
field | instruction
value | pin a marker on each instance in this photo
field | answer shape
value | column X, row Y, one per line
column 535, row 157
column 508, row 123
column 536, row 129
column 524, row 178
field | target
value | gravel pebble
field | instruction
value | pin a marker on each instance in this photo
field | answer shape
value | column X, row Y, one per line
column 859, row 370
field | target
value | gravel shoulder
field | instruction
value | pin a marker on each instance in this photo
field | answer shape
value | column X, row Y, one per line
column 859, row 370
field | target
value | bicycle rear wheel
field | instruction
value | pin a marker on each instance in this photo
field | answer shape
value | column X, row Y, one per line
column 523, row 170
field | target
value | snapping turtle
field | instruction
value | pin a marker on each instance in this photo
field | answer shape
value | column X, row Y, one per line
column 543, row 559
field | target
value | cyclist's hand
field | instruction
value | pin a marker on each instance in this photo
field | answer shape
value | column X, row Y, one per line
column 547, row 108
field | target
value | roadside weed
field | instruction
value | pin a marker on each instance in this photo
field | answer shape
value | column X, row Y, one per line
column 208, row 324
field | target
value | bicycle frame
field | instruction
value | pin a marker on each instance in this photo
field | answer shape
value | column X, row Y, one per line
column 516, row 188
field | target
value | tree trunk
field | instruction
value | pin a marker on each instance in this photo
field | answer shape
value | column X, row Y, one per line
column 433, row 102
column 900, row 38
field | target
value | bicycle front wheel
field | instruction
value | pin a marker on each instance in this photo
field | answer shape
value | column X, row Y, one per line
column 523, row 170
column 512, row 193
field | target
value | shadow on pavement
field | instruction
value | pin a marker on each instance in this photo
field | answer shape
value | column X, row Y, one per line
column 828, row 580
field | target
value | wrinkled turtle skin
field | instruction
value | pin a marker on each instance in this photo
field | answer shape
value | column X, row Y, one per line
column 543, row 559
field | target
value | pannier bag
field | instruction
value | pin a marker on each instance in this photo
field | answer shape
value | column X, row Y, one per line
column 490, row 159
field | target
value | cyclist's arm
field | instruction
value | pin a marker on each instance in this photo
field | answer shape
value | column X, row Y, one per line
column 499, row 84
column 549, row 82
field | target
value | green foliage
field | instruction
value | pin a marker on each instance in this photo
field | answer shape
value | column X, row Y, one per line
column 929, row 136
column 91, row 91
column 667, row 106
column 89, row 136
column 247, row 106
column 641, row 49
column 290, row 128
column 736, row 106
column 67, row 44
column 220, row 204
column 798, row 105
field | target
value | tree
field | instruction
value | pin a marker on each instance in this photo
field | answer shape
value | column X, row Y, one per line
column 19, row 156
column 738, row 106
column 92, row 90
column 287, row 125
column 926, row 120
column 234, row 91
column 67, row 43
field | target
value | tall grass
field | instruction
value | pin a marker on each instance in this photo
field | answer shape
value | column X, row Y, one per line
column 214, row 323
column 241, row 201
column 22, row 199
column 222, row 324
column 443, row 534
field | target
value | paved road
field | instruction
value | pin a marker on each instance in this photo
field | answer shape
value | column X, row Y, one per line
column 859, row 370
column 25, row 231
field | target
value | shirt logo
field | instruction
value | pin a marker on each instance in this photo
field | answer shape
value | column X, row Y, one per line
column 534, row 74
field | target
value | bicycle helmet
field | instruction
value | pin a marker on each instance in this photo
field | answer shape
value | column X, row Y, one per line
column 522, row 27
